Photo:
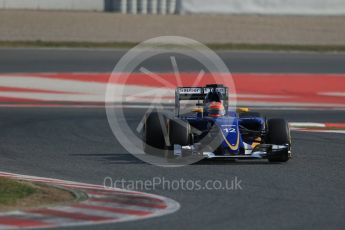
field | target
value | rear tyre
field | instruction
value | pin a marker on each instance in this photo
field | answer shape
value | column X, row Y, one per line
column 155, row 134
column 279, row 134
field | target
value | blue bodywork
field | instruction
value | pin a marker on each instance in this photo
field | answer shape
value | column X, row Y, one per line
column 232, row 141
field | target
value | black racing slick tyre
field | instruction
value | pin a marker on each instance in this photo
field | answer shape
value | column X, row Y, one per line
column 179, row 132
column 279, row 134
column 155, row 134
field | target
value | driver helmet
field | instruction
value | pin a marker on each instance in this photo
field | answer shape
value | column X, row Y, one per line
column 215, row 109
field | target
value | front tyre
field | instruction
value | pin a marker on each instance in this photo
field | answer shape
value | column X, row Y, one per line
column 179, row 132
column 279, row 134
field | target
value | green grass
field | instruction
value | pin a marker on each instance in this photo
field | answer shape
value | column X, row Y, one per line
column 45, row 44
column 11, row 191
column 214, row 46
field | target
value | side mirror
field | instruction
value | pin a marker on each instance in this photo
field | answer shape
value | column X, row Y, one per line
column 197, row 110
column 242, row 110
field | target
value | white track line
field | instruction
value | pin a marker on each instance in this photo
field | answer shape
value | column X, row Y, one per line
column 307, row 124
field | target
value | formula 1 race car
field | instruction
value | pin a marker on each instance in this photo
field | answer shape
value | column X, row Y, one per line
column 213, row 130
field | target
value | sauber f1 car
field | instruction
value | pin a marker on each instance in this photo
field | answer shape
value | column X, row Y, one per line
column 213, row 130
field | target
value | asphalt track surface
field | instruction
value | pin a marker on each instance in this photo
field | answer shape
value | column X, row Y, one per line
column 91, row 60
column 77, row 144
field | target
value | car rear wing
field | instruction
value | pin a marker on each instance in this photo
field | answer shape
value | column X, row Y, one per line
column 199, row 94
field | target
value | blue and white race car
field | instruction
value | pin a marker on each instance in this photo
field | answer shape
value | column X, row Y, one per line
column 213, row 130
